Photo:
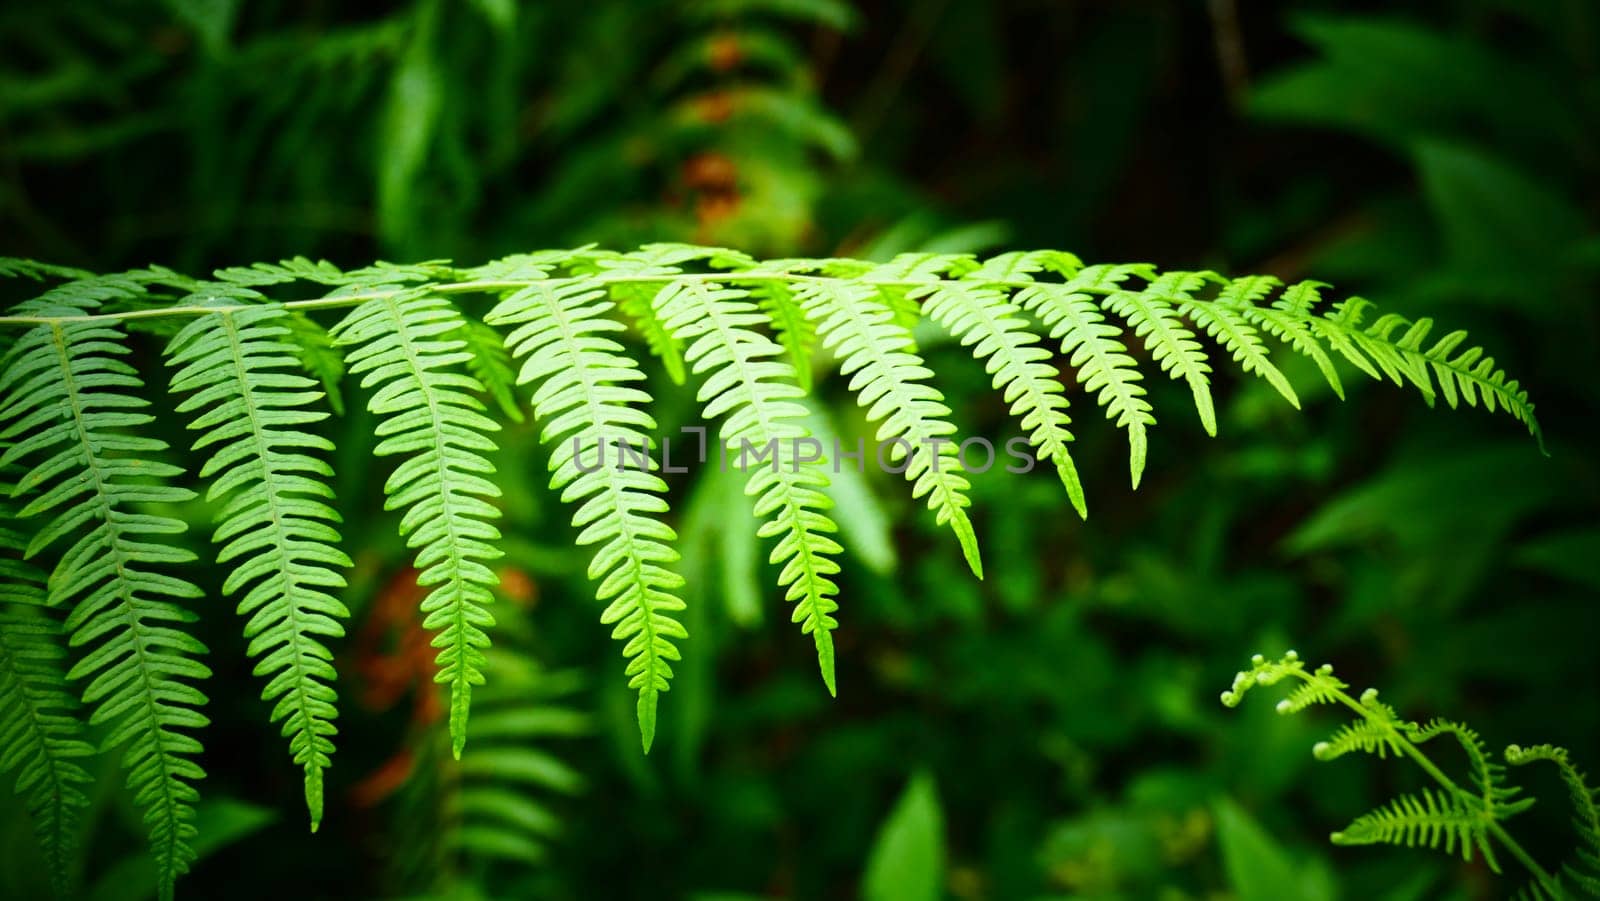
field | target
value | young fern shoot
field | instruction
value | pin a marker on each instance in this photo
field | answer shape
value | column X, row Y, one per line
column 1449, row 817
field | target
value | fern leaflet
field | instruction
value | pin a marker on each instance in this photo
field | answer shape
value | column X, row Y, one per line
column 276, row 529
column 69, row 396
column 983, row 318
column 584, row 399
column 754, row 388
column 402, row 344
column 891, row 382
column 1428, row 818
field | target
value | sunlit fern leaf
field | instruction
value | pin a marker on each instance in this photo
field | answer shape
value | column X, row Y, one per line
column 1232, row 329
column 1095, row 351
column 748, row 383
column 401, row 345
column 1281, row 318
column 986, row 320
column 791, row 328
column 1583, row 871
column 275, row 528
column 41, row 735
column 891, row 382
column 1377, row 349
column 584, row 398
column 1153, row 316
column 69, row 403
column 1428, row 819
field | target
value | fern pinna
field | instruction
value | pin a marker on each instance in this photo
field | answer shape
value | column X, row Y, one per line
column 1448, row 816
column 258, row 358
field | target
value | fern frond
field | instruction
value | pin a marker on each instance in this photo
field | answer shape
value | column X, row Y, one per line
column 1430, row 819
column 276, row 530
column 1232, row 329
column 891, row 382
column 1011, row 353
column 401, row 345
column 748, row 383
column 1153, row 315
column 584, row 397
column 1469, row 375
column 1093, row 347
column 41, row 736
column 69, row 398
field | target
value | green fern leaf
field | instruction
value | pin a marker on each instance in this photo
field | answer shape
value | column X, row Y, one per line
column 275, row 531
column 1232, row 329
column 401, row 345
column 747, row 382
column 891, row 382
column 1152, row 315
column 585, row 401
column 984, row 319
column 1430, row 819
column 41, row 736
column 69, row 398
column 1093, row 347
column 1284, row 319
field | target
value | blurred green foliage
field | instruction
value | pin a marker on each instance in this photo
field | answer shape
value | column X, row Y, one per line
column 1053, row 730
